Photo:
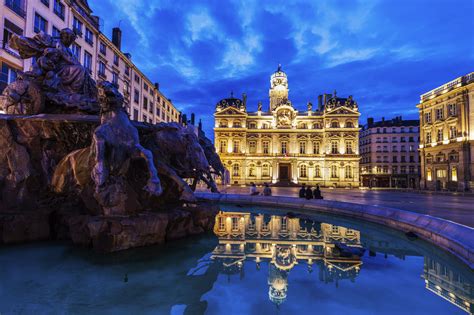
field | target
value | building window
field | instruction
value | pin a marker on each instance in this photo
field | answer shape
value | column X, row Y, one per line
column 116, row 60
column 236, row 170
column 145, row 87
column 265, row 170
column 441, row 173
column 137, row 78
column 252, row 172
column 334, row 147
column 349, row 124
column 411, row 169
column 221, row 223
column 41, row 25
column 315, row 147
column 235, row 224
column 45, row 2
column 335, row 124
column 135, row 114
column 428, row 137
column 76, row 50
column 89, row 38
column 439, row 135
column 348, row 171
column 127, row 70
column 334, row 170
column 284, row 147
column 77, row 26
column 103, row 48
column 56, row 32
column 452, row 109
column 303, row 170
column 317, row 171
column 403, row 170
column 439, row 113
column 59, row 9
column 454, row 174
column 136, row 96
column 115, row 78
column 252, row 125
column 428, row 175
column 8, row 74
column 302, row 147
column 453, row 132
column 265, row 147
column 394, row 169
column 145, row 103
column 349, row 147
column 252, row 147
column 88, row 61
column 237, row 124
column 101, row 69
column 236, row 148
column 428, row 117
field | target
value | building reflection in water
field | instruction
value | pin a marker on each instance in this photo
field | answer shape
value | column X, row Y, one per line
column 284, row 242
column 449, row 283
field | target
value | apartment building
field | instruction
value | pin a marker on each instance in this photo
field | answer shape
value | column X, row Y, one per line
column 389, row 153
column 447, row 135
column 101, row 56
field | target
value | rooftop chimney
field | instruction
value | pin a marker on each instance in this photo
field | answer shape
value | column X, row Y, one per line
column 320, row 102
column 370, row 122
column 192, row 118
column 117, row 37
column 157, row 86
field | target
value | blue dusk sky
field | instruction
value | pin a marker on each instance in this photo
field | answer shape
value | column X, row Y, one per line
column 385, row 53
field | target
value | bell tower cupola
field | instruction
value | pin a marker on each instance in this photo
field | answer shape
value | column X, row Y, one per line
column 278, row 89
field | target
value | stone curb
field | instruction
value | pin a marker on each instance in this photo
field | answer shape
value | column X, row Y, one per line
column 453, row 237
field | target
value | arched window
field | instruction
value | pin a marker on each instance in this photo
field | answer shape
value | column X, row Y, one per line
column 223, row 124
column 237, row 124
column 265, row 170
column 348, row 171
column 429, row 176
column 252, row 170
column 302, row 126
column 253, row 125
column 223, row 146
column 349, row 124
column 335, row 124
column 303, row 170
column 317, row 171
column 264, row 126
column 454, row 174
column 236, row 170
column 317, row 126
column 334, row 171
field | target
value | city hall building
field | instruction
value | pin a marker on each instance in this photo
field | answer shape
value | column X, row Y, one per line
column 282, row 145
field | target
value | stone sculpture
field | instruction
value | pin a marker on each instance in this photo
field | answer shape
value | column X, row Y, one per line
column 103, row 167
column 57, row 78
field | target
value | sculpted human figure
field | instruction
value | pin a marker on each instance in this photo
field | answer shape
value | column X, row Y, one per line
column 64, row 82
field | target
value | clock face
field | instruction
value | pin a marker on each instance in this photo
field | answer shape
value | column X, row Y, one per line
column 279, row 82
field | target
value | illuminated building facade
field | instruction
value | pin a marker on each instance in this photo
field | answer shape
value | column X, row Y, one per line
column 284, row 242
column 389, row 153
column 447, row 135
column 283, row 145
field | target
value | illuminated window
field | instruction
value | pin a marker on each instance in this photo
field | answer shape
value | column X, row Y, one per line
column 252, row 147
column 284, row 147
column 454, row 174
column 221, row 223
column 335, row 229
column 315, row 147
column 349, row 124
column 265, row 147
column 237, row 124
column 284, row 223
column 453, row 132
column 349, row 147
column 235, row 224
column 334, row 171
column 441, row 173
column 236, row 170
column 302, row 147
column 439, row 113
column 428, row 117
column 317, row 171
column 334, row 147
column 223, row 146
column 303, row 170
column 452, row 109
column 348, row 171
column 428, row 137
column 236, row 147
column 439, row 135
column 335, row 124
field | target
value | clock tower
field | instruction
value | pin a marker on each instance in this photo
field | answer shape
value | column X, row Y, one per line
column 278, row 89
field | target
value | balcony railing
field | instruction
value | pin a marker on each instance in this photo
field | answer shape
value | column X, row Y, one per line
column 17, row 6
column 448, row 86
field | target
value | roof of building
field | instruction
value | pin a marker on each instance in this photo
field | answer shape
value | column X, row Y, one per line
column 230, row 102
column 395, row 122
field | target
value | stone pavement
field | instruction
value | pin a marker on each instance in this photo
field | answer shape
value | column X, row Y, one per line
column 459, row 209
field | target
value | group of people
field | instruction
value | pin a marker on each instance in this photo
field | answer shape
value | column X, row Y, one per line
column 308, row 193
column 267, row 191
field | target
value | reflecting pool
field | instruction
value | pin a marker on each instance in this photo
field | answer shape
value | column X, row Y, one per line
column 255, row 262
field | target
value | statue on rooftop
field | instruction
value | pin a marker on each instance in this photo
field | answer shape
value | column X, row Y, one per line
column 63, row 82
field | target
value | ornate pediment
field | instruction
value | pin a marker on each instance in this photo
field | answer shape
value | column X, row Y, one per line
column 230, row 111
column 342, row 110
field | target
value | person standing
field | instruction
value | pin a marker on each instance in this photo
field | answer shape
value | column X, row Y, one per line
column 309, row 193
column 267, row 191
column 302, row 193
